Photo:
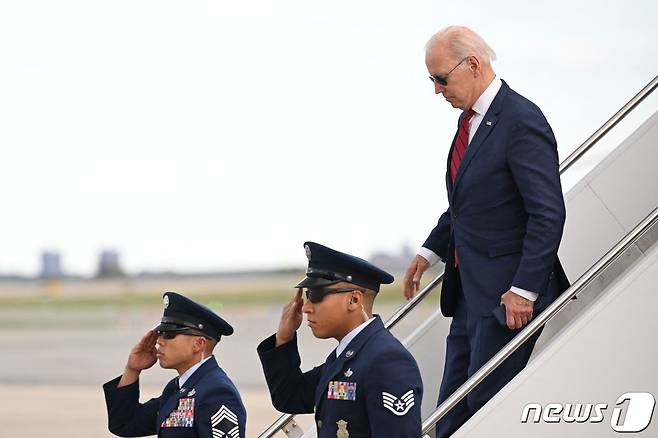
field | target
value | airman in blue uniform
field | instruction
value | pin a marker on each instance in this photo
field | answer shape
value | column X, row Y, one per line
column 201, row 402
column 370, row 386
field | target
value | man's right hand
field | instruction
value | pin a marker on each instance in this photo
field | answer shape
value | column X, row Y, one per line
column 412, row 276
column 142, row 356
column 291, row 319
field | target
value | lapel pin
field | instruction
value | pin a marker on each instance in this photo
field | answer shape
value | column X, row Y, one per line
column 488, row 123
column 182, row 390
column 349, row 372
column 349, row 353
column 191, row 393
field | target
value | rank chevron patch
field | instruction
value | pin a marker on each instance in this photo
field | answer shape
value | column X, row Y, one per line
column 399, row 406
column 225, row 424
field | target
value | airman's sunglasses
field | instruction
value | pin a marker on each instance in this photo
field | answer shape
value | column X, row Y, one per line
column 443, row 79
column 315, row 295
column 172, row 334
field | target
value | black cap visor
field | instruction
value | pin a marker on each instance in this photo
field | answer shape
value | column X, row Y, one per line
column 172, row 328
column 316, row 282
column 167, row 327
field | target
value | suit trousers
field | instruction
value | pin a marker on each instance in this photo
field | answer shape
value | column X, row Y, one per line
column 471, row 342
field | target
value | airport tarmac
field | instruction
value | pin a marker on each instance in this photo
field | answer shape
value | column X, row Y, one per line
column 55, row 360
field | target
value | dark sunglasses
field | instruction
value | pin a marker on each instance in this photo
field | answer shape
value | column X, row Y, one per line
column 315, row 295
column 172, row 335
column 443, row 79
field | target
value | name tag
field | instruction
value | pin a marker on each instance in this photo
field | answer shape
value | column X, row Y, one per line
column 182, row 416
column 342, row 391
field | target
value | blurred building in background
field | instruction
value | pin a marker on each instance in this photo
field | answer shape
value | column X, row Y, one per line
column 51, row 265
column 393, row 262
column 109, row 265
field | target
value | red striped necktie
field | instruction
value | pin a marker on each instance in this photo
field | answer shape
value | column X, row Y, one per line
column 460, row 144
column 458, row 152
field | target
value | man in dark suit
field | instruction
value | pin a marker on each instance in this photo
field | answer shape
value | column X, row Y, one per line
column 370, row 385
column 201, row 402
column 500, row 234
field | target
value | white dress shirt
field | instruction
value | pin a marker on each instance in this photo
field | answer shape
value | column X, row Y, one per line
column 480, row 107
column 186, row 375
column 342, row 345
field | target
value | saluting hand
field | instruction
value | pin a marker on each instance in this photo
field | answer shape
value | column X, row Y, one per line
column 518, row 309
column 291, row 319
column 412, row 276
column 142, row 356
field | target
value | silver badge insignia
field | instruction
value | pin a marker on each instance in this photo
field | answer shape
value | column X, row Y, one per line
column 342, row 429
column 165, row 301
column 349, row 372
column 349, row 353
column 488, row 122
column 308, row 252
column 191, row 393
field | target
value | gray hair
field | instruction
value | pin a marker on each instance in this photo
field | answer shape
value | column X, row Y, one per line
column 462, row 42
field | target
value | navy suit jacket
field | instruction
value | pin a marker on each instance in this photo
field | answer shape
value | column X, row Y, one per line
column 208, row 405
column 506, row 211
column 384, row 377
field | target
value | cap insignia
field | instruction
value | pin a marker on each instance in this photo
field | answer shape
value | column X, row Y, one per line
column 308, row 252
column 166, row 301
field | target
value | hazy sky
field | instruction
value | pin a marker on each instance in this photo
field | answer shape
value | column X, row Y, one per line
column 221, row 135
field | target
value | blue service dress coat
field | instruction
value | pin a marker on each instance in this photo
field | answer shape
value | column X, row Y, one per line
column 208, row 406
column 506, row 211
column 373, row 389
